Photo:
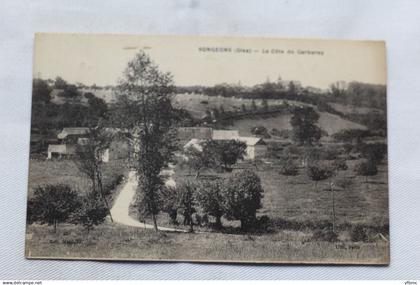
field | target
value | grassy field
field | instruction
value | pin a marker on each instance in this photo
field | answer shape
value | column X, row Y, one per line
column 327, row 122
column 296, row 207
column 65, row 172
column 197, row 104
column 119, row 242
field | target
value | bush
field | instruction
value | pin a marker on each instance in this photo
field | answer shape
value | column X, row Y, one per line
column 325, row 235
column 260, row 131
column 340, row 164
column 242, row 197
column 318, row 173
column 53, row 204
column 92, row 212
column 359, row 233
column 367, row 168
column 288, row 167
column 209, row 198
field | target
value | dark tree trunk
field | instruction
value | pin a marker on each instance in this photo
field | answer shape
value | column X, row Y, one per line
column 155, row 222
column 218, row 222
column 101, row 190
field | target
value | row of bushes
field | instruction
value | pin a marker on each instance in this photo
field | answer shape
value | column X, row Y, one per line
column 54, row 204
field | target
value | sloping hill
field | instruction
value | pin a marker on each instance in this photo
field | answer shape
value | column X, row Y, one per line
column 328, row 122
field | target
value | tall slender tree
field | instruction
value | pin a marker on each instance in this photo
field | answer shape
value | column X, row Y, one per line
column 144, row 109
column 90, row 160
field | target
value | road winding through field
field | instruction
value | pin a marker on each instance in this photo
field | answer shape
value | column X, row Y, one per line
column 120, row 209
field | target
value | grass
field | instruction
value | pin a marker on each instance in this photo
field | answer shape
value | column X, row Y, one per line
column 296, row 209
column 119, row 242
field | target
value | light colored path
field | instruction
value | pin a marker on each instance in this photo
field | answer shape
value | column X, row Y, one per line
column 120, row 209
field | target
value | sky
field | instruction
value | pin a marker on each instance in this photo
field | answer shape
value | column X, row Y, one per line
column 101, row 59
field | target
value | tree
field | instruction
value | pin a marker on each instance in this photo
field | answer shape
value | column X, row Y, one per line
column 305, row 130
column 60, row 83
column 288, row 167
column 318, row 173
column 374, row 152
column 242, row 196
column 186, row 202
column 92, row 212
column 260, row 131
column 90, row 160
column 144, row 108
column 254, row 107
column 53, row 204
column 40, row 91
column 199, row 159
column 210, row 199
column 265, row 107
column 169, row 203
column 338, row 89
column 226, row 152
column 367, row 168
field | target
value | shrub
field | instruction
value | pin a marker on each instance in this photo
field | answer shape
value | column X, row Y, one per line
column 289, row 167
column 260, row 131
column 359, row 233
column 340, row 164
column 366, row 168
column 53, row 204
column 209, row 198
column 325, row 235
column 92, row 212
column 242, row 197
column 318, row 173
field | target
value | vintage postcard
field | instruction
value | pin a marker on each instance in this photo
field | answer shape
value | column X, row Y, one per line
column 208, row 149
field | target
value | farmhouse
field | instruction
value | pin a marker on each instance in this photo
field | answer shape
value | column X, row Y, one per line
column 70, row 138
column 255, row 147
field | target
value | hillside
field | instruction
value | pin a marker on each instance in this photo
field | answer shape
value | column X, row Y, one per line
column 327, row 122
column 197, row 105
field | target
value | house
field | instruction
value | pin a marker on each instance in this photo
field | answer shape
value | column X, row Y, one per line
column 255, row 147
column 188, row 133
column 60, row 151
column 225, row 134
column 71, row 135
column 70, row 138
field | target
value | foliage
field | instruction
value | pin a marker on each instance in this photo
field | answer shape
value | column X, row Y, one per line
column 288, row 167
column 350, row 135
column 209, row 198
column 367, row 168
column 144, row 107
column 260, row 131
column 318, row 173
column 169, row 203
column 325, row 235
column 305, row 130
column 340, row 164
column 53, row 204
column 90, row 160
column 359, row 233
column 242, row 196
column 198, row 160
column 185, row 193
column 374, row 152
column 92, row 212
column 40, row 91
column 226, row 152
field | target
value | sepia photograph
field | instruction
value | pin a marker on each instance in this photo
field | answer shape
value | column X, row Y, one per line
column 208, row 149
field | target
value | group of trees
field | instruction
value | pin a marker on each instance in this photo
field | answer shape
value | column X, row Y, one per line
column 48, row 116
column 237, row 197
column 53, row 204
column 214, row 154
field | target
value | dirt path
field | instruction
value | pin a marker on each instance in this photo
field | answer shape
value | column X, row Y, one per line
column 120, row 209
